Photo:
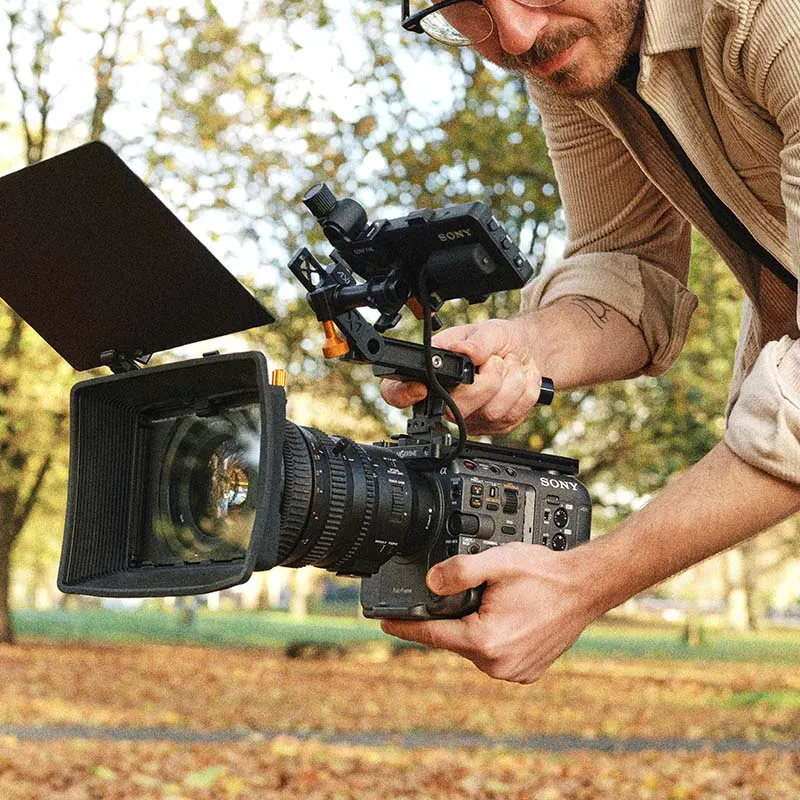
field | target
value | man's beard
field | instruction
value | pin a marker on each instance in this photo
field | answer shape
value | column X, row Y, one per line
column 614, row 37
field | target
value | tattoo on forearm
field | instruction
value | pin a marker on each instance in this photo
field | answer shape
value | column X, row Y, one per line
column 597, row 311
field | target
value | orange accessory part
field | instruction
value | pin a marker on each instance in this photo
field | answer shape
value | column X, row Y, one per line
column 334, row 345
column 416, row 307
column 279, row 377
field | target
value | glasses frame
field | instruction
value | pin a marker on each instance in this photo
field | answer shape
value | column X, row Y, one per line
column 412, row 22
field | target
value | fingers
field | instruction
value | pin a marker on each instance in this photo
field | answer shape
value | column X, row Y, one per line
column 449, row 577
column 504, row 391
column 479, row 341
column 402, row 393
column 507, row 380
column 447, row 634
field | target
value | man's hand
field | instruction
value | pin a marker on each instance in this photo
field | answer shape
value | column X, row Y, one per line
column 572, row 341
column 533, row 608
column 507, row 381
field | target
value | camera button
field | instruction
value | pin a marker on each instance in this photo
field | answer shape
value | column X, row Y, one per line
column 459, row 524
column 561, row 517
column 558, row 542
column 509, row 530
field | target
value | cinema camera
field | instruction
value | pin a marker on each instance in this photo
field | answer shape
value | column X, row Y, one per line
column 186, row 477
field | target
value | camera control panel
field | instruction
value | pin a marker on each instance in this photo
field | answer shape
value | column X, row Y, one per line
column 491, row 502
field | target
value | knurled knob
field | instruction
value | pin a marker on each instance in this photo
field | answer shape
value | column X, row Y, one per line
column 320, row 200
column 279, row 377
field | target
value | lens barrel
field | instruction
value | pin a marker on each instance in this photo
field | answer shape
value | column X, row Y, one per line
column 348, row 507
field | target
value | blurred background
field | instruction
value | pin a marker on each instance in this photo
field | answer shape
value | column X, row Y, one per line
column 229, row 111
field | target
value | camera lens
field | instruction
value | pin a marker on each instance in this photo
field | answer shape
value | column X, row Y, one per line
column 345, row 507
column 205, row 507
column 221, row 487
column 349, row 508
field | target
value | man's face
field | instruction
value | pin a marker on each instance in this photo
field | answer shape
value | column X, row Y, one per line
column 576, row 48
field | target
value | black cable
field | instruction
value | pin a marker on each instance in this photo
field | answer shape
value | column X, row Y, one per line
column 433, row 382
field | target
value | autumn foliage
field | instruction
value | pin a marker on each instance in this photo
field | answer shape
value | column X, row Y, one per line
column 300, row 726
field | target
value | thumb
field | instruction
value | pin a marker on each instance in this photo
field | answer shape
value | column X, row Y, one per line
column 458, row 338
column 459, row 573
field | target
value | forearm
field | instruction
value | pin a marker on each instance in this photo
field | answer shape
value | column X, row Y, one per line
column 716, row 504
column 578, row 341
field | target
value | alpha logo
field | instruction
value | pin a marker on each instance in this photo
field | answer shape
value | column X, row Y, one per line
column 555, row 483
column 451, row 236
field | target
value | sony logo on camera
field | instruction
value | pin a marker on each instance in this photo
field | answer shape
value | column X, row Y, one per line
column 557, row 483
column 451, row 236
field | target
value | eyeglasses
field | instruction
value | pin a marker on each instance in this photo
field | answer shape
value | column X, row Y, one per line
column 457, row 23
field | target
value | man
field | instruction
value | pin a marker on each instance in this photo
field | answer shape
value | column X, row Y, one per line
column 658, row 114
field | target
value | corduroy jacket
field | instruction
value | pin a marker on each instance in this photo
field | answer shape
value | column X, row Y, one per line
column 724, row 75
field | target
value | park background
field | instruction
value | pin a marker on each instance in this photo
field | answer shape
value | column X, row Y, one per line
column 229, row 111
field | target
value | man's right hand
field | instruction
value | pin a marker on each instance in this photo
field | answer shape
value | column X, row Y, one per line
column 507, row 379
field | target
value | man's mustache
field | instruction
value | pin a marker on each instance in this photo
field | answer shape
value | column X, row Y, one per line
column 543, row 49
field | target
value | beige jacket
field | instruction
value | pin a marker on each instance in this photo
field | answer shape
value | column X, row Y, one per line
column 724, row 75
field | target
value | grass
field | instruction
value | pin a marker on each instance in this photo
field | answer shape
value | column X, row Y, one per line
column 278, row 629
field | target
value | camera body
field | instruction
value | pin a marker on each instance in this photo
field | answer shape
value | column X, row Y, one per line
column 489, row 497
column 187, row 477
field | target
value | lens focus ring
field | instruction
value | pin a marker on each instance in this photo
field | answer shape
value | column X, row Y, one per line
column 299, row 481
column 346, row 564
column 337, row 496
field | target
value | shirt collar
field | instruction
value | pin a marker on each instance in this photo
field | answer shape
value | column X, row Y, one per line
column 671, row 25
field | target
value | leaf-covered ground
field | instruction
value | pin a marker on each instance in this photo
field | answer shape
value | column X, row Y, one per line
column 311, row 771
column 192, row 688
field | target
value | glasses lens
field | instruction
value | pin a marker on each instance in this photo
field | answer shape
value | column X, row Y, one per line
column 458, row 24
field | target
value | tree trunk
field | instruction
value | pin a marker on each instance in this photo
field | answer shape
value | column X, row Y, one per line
column 6, row 628
column 298, row 605
column 735, row 593
column 751, row 583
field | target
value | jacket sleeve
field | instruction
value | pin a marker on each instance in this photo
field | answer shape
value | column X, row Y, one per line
column 626, row 245
column 763, row 56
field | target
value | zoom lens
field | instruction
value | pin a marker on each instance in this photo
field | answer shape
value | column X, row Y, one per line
column 349, row 508
column 205, row 508
column 345, row 507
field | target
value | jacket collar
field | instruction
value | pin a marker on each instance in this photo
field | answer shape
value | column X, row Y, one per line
column 671, row 25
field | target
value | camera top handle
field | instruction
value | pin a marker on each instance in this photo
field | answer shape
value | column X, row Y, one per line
column 419, row 261
column 427, row 435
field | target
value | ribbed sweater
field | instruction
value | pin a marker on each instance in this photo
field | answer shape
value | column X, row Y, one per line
column 724, row 75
